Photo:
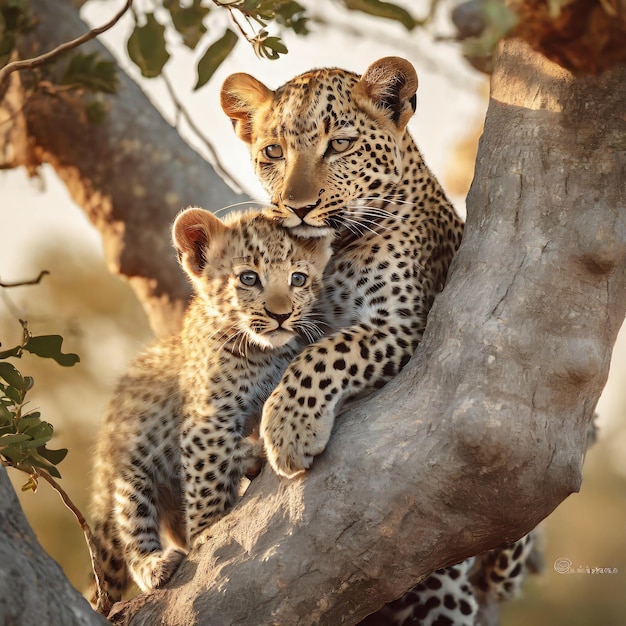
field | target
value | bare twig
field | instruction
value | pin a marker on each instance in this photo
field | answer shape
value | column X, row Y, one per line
column 34, row 281
column 182, row 112
column 104, row 602
column 40, row 60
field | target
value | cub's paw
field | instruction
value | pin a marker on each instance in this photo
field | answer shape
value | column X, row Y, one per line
column 292, row 437
column 157, row 569
column 254, row 462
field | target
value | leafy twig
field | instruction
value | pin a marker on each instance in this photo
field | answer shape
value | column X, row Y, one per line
column 34, row 281
column 104, row 602
column 182, row 111
column 40, row 60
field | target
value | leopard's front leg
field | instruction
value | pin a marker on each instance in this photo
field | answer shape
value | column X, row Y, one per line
column 298, row 416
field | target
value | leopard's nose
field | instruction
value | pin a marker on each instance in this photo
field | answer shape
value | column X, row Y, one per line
column 301, row 211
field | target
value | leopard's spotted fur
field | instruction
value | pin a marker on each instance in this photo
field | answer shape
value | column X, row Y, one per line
column 172, row 448
column 332, row 150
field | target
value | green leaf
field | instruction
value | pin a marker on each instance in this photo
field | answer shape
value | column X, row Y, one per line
column 12, row 352
column 378, row 8
column 49, row 346
column 12, row 439
column 276, row 45
column 96, row 112
column 188, row 21
column 11, row 453
column 42, row 430
column 91, row 72
column 12, row 376
column 6, row 417
column 15, row 395
column 146, row 47
column 28, row 422
column 291, row 14
column 35, row 443
column 214, row 56
column 39, row 462
column 54, row 456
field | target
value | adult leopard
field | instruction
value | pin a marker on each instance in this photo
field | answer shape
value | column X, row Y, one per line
column 333, row 152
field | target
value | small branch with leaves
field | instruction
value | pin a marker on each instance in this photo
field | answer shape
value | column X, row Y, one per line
column 103, row 602
column 46, row 57
column 24, row 436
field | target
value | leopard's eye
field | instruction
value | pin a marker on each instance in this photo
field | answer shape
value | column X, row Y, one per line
column 298, row 279
column 249, row 278
column 273, row 152
column 340, row 145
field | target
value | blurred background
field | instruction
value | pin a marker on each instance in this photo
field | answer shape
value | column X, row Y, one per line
column 101, row 320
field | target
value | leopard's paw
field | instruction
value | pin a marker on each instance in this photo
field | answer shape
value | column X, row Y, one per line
column 291, row 437
column 157, row 569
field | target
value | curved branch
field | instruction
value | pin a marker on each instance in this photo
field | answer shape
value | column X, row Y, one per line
column 104, row 604
column 22, row 283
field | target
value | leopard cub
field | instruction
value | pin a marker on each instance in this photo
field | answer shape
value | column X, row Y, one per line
column 173, row 446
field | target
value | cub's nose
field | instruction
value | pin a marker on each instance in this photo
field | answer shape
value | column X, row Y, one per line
column 279, row 317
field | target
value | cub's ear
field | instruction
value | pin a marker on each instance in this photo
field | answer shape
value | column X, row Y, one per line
column 194, row 229
column 241, row 96
column 390, row 84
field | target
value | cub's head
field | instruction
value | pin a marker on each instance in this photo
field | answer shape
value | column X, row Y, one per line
column 256, row 280
column 327, row 145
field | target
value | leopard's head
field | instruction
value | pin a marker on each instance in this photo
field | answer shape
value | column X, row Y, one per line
column 327, row 146
column 258, row 282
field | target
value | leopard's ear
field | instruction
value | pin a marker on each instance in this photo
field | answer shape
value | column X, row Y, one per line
column 241, row 96
column 319, row 250
column 193, row 232
column 390, row 84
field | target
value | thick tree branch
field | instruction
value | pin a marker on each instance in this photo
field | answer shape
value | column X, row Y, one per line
column 131, row 174
column 444, row 461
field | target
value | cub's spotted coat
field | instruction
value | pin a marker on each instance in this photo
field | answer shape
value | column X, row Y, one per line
column 172, row 449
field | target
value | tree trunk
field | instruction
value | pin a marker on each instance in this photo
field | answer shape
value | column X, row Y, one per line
column 444, row 462
column 131, row 174
column 33, row 589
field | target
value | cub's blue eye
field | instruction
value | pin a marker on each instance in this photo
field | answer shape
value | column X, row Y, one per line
column 249, row 278
column 273, row 152
column 298, row 279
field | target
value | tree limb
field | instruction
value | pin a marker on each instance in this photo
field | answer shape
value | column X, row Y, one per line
column 444, row 461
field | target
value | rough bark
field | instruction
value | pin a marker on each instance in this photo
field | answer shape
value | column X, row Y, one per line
column 33, row 589
column 130, row 174
column 444, row 462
